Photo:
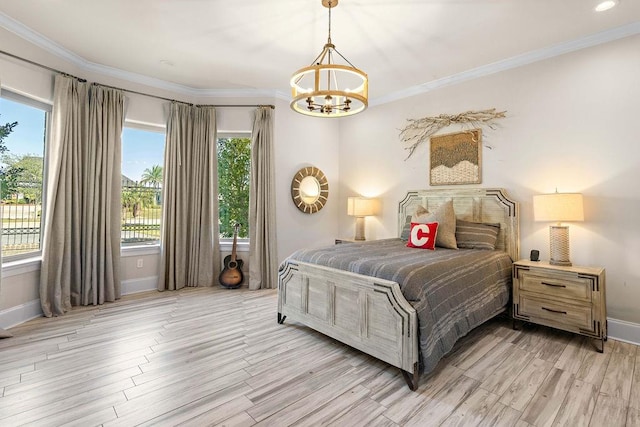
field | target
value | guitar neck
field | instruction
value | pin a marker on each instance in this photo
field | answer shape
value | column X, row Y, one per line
column 235, row 241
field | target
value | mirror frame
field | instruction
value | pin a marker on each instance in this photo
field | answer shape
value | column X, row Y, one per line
column 323, row 184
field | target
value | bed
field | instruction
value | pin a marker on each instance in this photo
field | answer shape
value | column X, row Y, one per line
column 365, row 294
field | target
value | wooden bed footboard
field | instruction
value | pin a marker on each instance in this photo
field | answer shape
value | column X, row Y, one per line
column 364, row 312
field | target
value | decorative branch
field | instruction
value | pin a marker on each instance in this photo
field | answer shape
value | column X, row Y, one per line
column 420, row 130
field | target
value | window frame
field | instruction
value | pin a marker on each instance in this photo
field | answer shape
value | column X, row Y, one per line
column 149, row 249
column 226, row 243
column 18, row 260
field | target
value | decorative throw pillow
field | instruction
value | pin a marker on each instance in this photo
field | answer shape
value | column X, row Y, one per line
column 445, row 216
column 423, row 236
column 404, row 235
column 475, row 235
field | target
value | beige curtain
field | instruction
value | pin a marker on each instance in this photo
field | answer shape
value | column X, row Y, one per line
column 190, row 254
column 81, row 239
column 263, row 252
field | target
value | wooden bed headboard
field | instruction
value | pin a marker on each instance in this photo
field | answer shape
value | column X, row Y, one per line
column 491, row 205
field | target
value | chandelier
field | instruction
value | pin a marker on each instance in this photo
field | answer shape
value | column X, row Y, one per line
column 326, row 88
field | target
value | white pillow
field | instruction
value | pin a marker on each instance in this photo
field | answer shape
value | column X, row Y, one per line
column 445, row 216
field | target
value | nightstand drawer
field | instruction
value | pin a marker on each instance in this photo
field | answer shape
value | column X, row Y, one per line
column 556, row 285
column 561, row 315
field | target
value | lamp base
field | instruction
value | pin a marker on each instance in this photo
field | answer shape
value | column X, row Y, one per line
column 559, row 242
column 359, row 228
column 565, row 263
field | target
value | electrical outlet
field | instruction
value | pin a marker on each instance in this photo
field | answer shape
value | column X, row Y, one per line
column 139, row 263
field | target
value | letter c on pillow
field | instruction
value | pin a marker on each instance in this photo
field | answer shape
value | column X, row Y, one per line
column 420, row 234
column 423, row 236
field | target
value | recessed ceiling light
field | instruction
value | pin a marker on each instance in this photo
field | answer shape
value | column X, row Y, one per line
column 605, row 5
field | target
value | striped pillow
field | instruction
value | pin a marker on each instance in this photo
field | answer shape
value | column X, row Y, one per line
column 475, row 235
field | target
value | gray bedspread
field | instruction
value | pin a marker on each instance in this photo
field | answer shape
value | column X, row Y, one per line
column 453, row 291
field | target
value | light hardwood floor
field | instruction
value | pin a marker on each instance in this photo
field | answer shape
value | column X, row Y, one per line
column 217, row 357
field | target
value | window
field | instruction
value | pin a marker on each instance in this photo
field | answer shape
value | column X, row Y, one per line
column 142, row 160
column 234, row 162
column 23, row 130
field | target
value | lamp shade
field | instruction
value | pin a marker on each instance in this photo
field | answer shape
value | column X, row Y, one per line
column 360, row 206
column 558, row 207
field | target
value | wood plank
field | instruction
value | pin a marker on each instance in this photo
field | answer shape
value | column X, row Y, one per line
column 484, row 367
column 634, row 399
column 555, row 342
column 609, row 411
column 339, row 406
column 546, row 403
column 618, row 377
column 465, row 359
column 306, row 405
column 501, row 415
column 594, row 365
column 501, row 379
column 109, row 395
column 525, row 386
column 625, row 348
column 633, row 417
column 177, row 379
column 444, row 403
column 403, row 404
column 240, row 420
column 203, row 412
column 578, row 405
column 155, row 407
column 472, row 410
column 574, row 353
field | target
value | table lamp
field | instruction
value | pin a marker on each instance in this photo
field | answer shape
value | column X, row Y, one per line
column 360, row 207
column 558, row 207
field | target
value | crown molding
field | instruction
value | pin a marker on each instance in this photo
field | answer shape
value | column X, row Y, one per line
column 61, row 52
column 515, row 61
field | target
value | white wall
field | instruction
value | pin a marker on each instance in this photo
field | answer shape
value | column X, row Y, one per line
column 305, row 141
column 570, row 124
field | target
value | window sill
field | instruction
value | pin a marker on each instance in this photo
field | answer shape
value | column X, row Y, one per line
column 129, row 251
column 23, row 266
column 27, row 265
column 226, row 245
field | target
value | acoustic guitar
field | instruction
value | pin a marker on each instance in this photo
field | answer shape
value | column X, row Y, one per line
column 231, row 276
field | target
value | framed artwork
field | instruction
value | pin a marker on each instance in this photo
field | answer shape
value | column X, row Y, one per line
column 456, row 158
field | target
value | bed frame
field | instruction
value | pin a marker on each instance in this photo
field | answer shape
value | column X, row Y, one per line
column 371, row 314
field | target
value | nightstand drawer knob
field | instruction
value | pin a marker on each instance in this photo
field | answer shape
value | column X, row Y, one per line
column 555, row 285
column 554, row 311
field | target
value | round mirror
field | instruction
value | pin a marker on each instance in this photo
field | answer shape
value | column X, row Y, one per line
column 309, row 189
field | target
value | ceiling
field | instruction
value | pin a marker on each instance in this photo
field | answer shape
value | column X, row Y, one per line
column 253, row 46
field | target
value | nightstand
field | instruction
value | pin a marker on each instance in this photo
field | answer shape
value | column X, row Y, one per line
column 568, row 298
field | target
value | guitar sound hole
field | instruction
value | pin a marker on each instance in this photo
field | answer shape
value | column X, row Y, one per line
column 232, row 265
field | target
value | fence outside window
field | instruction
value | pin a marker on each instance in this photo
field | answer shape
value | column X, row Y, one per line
column 20, row 227
column 141, row 213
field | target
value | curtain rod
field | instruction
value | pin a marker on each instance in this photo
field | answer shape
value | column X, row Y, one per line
column 54, row 70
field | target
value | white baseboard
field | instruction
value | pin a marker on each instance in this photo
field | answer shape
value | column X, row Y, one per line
column 622, row 330
column 19, row 314
column 134, row 286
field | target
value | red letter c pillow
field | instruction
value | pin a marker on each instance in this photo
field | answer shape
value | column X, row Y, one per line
column 423, row 236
